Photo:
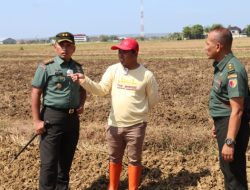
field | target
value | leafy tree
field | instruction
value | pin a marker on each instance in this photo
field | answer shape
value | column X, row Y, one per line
column 113, row 37
column 197, row 31
column 247, row 30
column 186, row 32
column 207, row 29
column 175, row 36
column 216, row 26
column 104, row 38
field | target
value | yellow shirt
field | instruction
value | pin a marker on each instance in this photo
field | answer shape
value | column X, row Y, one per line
column 133, row 93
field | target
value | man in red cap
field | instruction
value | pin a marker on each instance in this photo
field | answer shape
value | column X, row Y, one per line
column 134, row 92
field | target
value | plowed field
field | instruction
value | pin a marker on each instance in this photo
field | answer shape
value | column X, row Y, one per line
column 179, row 152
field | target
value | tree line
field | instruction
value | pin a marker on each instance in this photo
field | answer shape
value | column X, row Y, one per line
column 199, row 32
column 196, row 31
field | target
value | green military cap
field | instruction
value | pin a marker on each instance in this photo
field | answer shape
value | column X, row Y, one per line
column 65, row 36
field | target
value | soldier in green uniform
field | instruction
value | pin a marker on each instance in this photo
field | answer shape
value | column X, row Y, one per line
column 226, row 106
column 58, row 121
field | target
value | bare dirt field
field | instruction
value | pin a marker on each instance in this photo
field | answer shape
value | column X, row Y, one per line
column 179, row 152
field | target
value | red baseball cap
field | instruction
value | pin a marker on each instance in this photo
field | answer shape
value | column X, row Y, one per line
column 127, row 44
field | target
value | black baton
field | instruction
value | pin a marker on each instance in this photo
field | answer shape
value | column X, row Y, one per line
column 27, row 144
column 16, row 156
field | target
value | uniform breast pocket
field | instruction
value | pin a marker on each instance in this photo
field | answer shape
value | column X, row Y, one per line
column 217, row 85
column 55, row 79
column 58, row 82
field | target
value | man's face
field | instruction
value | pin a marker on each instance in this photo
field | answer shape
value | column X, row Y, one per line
column 64, row 50
column 212, row 47
column 127, row 57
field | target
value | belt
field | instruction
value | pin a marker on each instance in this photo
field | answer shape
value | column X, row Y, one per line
column 69, row 110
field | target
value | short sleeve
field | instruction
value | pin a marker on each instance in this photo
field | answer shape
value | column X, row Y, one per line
column 236, row 85
column 40, row 77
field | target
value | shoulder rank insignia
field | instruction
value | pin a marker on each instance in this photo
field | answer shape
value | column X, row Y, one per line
column 234, row 75
column 231, row 68
column 48, row 61
column 44, row 63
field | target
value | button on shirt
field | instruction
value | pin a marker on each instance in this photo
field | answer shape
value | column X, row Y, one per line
column 230, row 80
column 59, row 90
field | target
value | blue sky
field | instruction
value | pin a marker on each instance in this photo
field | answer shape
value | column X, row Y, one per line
column 45, row 18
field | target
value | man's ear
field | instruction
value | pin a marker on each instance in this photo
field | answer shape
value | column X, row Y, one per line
column 219, row 46
column 136, row 53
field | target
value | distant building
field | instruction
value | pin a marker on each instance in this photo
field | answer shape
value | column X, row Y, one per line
column 121, row 37
column 79, row 38
column 236, row 31
column 9, row 41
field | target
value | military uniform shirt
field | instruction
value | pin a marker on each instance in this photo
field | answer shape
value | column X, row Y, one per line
column 230, row 80
column 59, row 90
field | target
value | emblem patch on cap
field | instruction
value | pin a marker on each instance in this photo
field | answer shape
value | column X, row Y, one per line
column 233, row 83
column 65, row 34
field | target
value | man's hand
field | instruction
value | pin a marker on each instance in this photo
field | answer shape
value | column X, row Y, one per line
column 77, row 77
column 80, row 110
column 228, row 153
column 213, row 132
column 39, row 127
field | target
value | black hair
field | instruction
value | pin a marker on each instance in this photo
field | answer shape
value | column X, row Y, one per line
column 224, row 36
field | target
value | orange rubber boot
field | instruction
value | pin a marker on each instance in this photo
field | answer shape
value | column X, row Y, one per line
column 134, row 174
column 114, row 175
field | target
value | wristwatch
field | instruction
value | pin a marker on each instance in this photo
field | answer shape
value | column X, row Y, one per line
column 230, row 142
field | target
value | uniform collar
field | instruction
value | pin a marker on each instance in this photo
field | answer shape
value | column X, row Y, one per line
column 223, row 62
column 61, row 61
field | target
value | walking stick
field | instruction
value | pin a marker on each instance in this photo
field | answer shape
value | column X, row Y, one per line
column 16, row 156
column 27, row 144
